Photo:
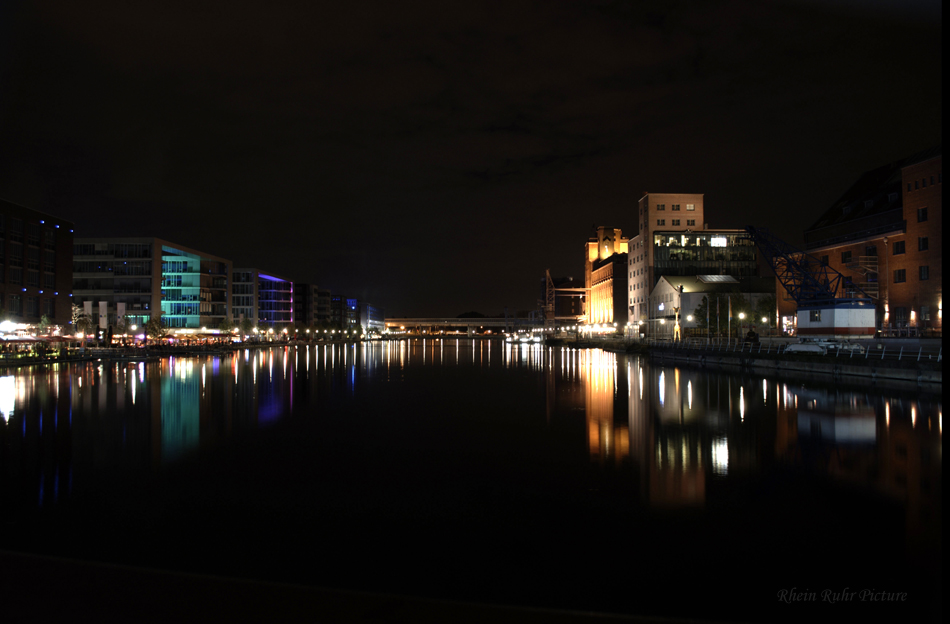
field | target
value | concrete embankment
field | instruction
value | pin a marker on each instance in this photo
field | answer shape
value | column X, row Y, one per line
column 827, row 368
column 914, row 362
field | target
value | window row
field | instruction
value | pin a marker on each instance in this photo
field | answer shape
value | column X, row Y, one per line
column 897, row 249
column 689, row 207
column 922, row 182
column 923, row 274
column 33, row 306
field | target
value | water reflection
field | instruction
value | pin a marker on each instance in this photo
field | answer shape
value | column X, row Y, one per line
column 179, row 408
column 682, row 429
column 681, row 433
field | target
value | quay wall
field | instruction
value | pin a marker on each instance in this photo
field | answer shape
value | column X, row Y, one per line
column 831, row 369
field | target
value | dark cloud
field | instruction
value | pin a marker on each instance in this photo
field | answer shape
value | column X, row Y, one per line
column 437, row 158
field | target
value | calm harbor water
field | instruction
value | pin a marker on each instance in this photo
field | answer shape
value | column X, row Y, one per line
column 479, row 471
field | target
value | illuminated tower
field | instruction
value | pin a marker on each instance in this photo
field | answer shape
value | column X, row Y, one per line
column 605, row 277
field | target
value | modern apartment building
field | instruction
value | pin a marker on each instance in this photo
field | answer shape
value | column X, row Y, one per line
column 885, row 234
column 311, row 305
column 36, row 266
column 265, row 298
column 138, row 278
column 322, row 305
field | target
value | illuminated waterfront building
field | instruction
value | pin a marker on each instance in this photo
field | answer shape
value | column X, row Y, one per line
column 674, row 241
column 605, row 277
column 36, row 266
column 372, row 318
column 266, row 298
column 885, row 235
column 133, row 279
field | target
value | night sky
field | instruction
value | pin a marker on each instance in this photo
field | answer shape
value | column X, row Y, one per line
column 436, row 157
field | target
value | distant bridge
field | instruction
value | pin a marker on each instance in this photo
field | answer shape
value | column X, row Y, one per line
column 430, row 325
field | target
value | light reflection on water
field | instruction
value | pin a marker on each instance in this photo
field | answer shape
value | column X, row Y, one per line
column 678, row 430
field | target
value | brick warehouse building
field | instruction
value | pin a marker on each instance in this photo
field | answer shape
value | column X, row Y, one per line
column 605, row 277
column 885, row 235
column 36, row 266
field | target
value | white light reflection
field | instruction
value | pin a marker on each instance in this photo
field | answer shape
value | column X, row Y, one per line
column 720, row 456
column 765, row 392
column 689, row 394
column 662, row 383
column 7, row 396
column 741, row 404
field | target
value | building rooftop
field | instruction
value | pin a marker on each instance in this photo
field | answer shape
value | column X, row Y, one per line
column 873, row 202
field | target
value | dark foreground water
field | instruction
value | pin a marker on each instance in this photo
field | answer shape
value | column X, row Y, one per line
column 481, row 472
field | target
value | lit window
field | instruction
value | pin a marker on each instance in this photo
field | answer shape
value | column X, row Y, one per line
column 690, row 206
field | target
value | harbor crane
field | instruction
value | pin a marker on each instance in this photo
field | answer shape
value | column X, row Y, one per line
column 829, row 304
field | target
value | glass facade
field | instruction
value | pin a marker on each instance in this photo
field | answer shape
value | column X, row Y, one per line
column 181, row 288
column 704, row 253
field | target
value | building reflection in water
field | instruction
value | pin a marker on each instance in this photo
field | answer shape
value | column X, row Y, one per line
column 682, row 429
column 607, row 435
column 681, row 432
column 669, row 442
column 179, row 408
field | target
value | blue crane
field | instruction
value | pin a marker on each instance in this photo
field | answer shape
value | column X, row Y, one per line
column 808, row 280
